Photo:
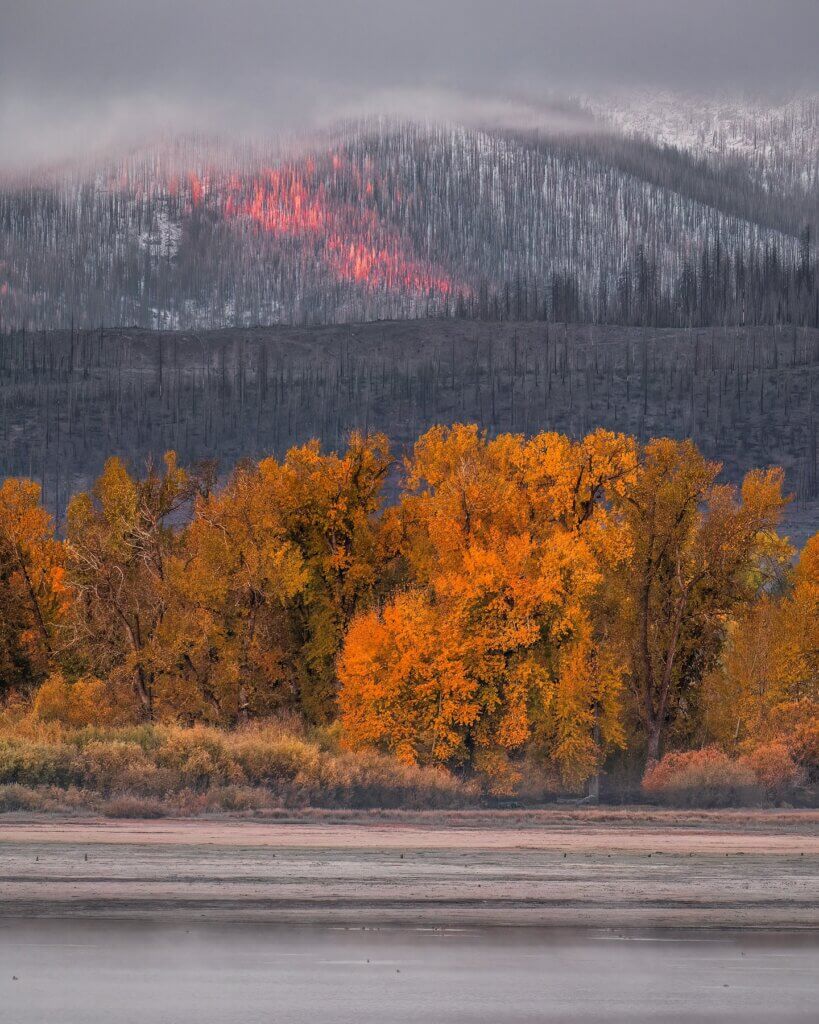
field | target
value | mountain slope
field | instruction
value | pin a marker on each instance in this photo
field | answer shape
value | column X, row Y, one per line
column 398, row 221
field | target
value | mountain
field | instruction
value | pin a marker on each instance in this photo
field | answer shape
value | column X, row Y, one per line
column 378, row 220
column 775, row 143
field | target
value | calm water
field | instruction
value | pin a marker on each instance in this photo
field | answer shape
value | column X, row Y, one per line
column 116, row 973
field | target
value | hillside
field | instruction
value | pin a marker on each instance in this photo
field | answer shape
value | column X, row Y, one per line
column 378, row 220
column 776, row 142
column 69, row 399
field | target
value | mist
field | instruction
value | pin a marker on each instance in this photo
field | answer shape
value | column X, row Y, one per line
column 85, row 76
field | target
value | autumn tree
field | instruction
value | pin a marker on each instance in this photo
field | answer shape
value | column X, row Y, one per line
column 271, row 571
column 698, row 549
column 327, row 507
column 237, row 575
column 492, row 647
column 33, row 595
column 765, row 688
column 119, row 541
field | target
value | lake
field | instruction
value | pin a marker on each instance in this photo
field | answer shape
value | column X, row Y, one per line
column 139, row 972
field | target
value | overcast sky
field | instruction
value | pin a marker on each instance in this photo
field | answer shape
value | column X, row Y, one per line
column 77, row 73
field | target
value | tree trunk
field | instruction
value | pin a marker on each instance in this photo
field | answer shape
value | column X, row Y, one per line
column 653, row 749
column 145, row 694
column 655, row 722
column 243, row 710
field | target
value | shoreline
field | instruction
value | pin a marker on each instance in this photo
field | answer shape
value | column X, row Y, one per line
column 735, row 870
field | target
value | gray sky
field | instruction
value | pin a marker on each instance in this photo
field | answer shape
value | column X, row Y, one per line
column 87, row 73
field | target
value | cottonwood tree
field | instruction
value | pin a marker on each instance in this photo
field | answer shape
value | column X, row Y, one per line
column 492, row 646
column 765, row 687
column 328, row 508
column 697, row 553
column 33, row 594
column 236, row 578
column 120, row 538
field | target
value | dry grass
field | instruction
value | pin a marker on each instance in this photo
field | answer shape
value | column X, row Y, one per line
column 194, row 770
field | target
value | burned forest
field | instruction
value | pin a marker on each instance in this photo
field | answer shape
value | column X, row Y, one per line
column 68, row 399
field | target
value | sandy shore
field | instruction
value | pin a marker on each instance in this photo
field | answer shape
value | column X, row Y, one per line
column 576, row 868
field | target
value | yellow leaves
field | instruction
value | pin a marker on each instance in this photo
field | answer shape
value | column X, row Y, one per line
column 806, row 575
column 33, row 596
column 236, row 545
column 117, row 495
column 280, row 559
column 504, row 609
column 505, row 540
column 698, row 553
column 762, row 496
column 87, row 701
column 766, row 686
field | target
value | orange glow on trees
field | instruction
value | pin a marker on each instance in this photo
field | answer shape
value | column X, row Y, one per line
column 294, row 202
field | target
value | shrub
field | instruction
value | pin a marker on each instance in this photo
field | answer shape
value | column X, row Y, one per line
column 133, row 807
column 202, row 768
column 775, row 770
column 84, row 702
column 702, row 778
column 15, row 797
column 236, row 798
column 268, row 757
column 198, row 757
column 36, row 764
column 112, row 766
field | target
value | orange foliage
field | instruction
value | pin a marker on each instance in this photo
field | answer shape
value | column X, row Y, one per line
column 33, row 593
column 263, row 587
column 119, row 545
column 766, row 687
column 775, row 769
column 505, row 540
column 697, row 552
column 87, row 701
column 526, row 600
column 706, row 777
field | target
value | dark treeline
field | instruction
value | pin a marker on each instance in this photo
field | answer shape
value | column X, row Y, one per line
column 68, row 399
column 384, row 222
column 720, row 287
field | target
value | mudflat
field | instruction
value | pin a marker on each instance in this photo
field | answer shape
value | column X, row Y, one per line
column 578, row 868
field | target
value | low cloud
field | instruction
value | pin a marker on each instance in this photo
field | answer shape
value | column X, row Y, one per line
column 93, row 74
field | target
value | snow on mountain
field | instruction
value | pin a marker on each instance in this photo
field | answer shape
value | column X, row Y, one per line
column 778, row 141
